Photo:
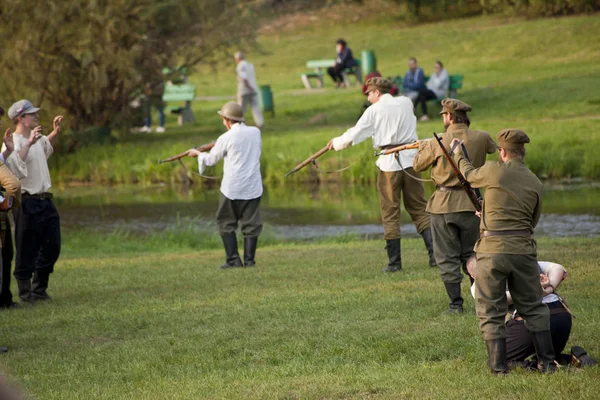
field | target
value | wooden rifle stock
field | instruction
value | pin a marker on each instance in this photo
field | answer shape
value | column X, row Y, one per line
column 204, row 147
column 397, row 149
column 463, row 181
column 308, row 160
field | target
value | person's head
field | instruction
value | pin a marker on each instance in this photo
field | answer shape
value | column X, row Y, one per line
column 511, row 144
column 239, row 56
column 231, row 113
column 377, row 87
column 471, row 264
column 24, row 114
column 340, row 45
column 455, row 112
column 438, row 67
column 412, row 64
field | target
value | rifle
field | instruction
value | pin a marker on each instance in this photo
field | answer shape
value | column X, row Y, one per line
column 397, row 149
column 463, row 182
column 309, row 160
column 204, row 147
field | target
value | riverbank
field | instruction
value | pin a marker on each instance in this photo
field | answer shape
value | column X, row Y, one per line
column 311, row 321
column 540, row 76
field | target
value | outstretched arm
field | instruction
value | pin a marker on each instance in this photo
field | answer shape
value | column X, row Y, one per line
column 355, row 135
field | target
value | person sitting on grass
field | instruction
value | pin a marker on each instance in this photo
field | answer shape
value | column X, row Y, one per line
column 344, row 59
column 436, row 88
column 519, row 341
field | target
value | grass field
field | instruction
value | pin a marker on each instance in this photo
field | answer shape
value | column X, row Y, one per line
column 541, row 76
column 313, row 321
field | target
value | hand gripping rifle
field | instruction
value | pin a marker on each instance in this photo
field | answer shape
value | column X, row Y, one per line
column 309, row 160
column 204, row 147
column 476, row 200
column 397, row 149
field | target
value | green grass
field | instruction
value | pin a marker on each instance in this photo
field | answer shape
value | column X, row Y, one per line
column 540, row 76
column 313, row 321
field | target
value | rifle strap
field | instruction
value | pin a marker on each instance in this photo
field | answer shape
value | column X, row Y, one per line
column 397, row 156
column 314, row 162
column 195, row 173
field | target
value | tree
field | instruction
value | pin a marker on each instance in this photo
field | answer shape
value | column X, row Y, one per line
column 92, row 57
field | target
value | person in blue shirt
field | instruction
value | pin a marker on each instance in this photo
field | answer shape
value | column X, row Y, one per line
column 414, row 80
column 344, row 59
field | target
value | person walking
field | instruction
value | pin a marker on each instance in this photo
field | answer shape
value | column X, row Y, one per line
column 454, row 225
column 247, row 92
column 241, row 187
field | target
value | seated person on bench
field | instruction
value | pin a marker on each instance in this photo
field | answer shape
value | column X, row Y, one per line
column 344, row 59
column 436, row 88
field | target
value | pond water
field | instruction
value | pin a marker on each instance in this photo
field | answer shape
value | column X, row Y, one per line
column 298, row 212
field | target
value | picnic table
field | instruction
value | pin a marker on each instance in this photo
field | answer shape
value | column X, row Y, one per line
column 318, row 67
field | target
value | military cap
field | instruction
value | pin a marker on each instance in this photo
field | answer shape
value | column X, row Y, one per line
column 512, row 139
column 381, row 84
column 233, row 111
column 21, row 107
column 454, row 105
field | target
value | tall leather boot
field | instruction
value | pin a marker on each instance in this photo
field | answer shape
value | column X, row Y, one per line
column 231, row 252
column 544, row 351
column 456, row 300
column 250, row 250
column 25, row 294
column 394, row 257
column 40, row 285
column 496, row 349
column 428, row 239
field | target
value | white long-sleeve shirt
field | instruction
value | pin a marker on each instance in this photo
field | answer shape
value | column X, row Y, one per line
column 439, row 84
column 241, row 148
column 33, row 171
column 245, row 71
column 389, row 121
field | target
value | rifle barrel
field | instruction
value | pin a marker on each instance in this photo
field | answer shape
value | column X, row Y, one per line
column 397, row 149
column 308, row 160
column 204, row 147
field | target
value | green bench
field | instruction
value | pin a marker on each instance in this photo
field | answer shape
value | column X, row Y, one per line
column 180, row 93
column 318, row 67
column 456, row 82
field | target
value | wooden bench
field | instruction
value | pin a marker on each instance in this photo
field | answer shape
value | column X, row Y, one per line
column 181, row 93
column 318, row 71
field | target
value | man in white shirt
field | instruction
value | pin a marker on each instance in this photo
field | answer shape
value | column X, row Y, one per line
column 37, row 223
column 247, row 92
column 390, row 122
column 241, row 187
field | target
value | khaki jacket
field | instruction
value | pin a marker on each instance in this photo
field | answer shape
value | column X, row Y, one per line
column 478, row 144
column 11, row 184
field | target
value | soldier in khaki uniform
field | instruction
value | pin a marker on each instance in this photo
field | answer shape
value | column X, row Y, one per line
column 506, row 251
column 454, row 225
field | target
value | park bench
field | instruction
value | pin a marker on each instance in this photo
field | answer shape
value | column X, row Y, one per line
column 318, row 67
column 180, row 93
column 456, row 82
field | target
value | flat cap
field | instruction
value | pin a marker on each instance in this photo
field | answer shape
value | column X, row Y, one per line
column 21, row 107
column 512, row 139
column 452, row 105
column 381, row 84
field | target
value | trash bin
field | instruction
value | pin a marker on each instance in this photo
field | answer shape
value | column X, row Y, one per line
column 266, row 99
column 368, row 61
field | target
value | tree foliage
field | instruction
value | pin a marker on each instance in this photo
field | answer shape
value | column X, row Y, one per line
column 91, row 57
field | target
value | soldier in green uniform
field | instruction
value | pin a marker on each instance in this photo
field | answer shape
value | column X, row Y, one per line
column 506, row 250
column 454, row 225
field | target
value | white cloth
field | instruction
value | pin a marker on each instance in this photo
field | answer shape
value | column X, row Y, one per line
column 33, row 171
column 439, row 84
column 240, row 147
column 389, row 121
column 245, row 71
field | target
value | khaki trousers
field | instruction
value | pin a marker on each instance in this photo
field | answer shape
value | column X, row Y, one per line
column 244, row 212
column 522, row 274
column 252, row 101
column 390, row 185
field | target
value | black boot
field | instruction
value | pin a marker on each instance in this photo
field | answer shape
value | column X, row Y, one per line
column 544, row 351
column 428, row 239
column 39, row 286
column 250, row 250
column 456, row 300
column 496, row 349
column 24, row 286
column 231, row 251
column 395, row 259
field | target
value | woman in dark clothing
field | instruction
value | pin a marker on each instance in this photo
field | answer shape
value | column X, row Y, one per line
column 344, row 59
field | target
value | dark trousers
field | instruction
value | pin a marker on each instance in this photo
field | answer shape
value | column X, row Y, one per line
column 519, row 341
column 244, row 212
column 5, row 261
column 424, row 95
column 336, row 73
column 37, row 236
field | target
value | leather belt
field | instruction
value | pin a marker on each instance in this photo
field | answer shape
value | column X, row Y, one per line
column 39, row 196
column 523, row 232
column 442, row 188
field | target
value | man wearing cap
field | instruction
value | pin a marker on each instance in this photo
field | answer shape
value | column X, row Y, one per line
column 37, row 223
column 391, row 122
column 241, row 187
column 247, row 93
column 506, row 251
column 454, row 225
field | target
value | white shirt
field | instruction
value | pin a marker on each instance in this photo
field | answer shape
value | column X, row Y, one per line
column 389, row 121
column 33, row 172
column 241, row 148
column 245, row 70
column 439, row 84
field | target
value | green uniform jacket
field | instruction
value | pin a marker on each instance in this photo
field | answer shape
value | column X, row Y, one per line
column 11, row 184
column 478, row 144
column 512, row 201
